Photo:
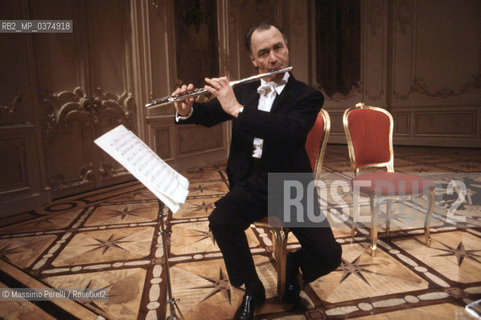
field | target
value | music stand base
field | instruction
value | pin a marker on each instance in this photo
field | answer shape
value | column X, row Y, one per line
column 171, row 301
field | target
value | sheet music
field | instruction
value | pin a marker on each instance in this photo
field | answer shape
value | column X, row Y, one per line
column 131, row 152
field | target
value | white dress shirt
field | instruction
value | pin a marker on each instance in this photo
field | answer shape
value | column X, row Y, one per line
column 268, row 92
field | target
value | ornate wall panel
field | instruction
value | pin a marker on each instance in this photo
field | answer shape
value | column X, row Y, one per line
column 16, row 117
column 74, row 121
column 401, row 119
column 85, row 86
column 163, row 143
column 15, row 94
column 13, row 75
column 435, row 54
column 22, row 180
column 456, row 123
column 67, row 143
column 13, row 166
column 192, row 139
column 164, row 135
column 436, row 71
column 447, row 62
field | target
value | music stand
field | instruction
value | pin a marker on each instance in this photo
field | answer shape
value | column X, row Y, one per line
column 171, row 300
column 134, row 155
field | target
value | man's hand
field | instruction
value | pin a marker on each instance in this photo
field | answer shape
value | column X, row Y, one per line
column 223, row 91
column 184, row 107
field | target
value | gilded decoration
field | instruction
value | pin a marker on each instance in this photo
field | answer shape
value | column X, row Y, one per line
column 67, row 106
column 86, row 175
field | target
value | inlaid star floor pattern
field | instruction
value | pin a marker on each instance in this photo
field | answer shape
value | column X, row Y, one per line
column 220, row 284
column 110, row 239
column 460, row 253
column 354, row 268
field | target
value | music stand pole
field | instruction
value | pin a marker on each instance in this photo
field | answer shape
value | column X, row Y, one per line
column 171, row 300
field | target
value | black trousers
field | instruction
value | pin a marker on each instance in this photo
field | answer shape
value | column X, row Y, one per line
column 246, row 203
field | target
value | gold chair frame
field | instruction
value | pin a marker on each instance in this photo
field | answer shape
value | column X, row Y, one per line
column 374, row 200
column 281, row 234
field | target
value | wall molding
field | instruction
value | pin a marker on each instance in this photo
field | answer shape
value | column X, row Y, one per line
column 472, row 84
column 66, row 106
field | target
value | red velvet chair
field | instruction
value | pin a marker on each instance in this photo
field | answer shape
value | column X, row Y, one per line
column 315, row 147
column 369, row 132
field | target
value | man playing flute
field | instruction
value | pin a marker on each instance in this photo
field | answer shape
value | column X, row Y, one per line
column 270, row 122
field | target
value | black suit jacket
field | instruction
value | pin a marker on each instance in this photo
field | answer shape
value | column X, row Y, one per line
column 284, row 129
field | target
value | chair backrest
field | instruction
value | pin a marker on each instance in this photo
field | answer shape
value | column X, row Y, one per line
column 317, row 140
column 369, row 133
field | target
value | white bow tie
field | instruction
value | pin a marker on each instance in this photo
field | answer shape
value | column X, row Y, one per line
column 265, row 89
column 268, row 87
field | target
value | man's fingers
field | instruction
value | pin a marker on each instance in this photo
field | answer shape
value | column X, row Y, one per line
column 212, row 82
column 210, row 89
column 183, row 89
column 224, row 81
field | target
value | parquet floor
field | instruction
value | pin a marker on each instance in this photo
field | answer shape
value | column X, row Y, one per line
column 110, row 239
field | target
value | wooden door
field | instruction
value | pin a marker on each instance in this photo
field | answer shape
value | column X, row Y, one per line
column 85, row 89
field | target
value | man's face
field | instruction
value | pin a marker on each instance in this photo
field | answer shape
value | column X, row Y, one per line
column 269, row 52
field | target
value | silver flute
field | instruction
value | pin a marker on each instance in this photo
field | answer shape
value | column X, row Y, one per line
column 169, row 99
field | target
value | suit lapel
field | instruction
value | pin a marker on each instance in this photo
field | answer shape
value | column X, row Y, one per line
column 285, row 94
column 252, row 97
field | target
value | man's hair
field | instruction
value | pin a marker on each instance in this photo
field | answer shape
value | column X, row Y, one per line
column 261, row 26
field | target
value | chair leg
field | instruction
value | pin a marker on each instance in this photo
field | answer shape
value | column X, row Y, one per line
column 374, row 204
column 355, row 213
column 427, row 220
column 280, row 236
column 388, row 218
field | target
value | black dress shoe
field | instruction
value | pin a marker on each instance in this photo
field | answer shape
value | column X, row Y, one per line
column 293, row 288
column 248, row 305
column 292, row 292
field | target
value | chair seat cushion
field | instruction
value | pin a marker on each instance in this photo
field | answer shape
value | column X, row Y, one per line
column 391, row 184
